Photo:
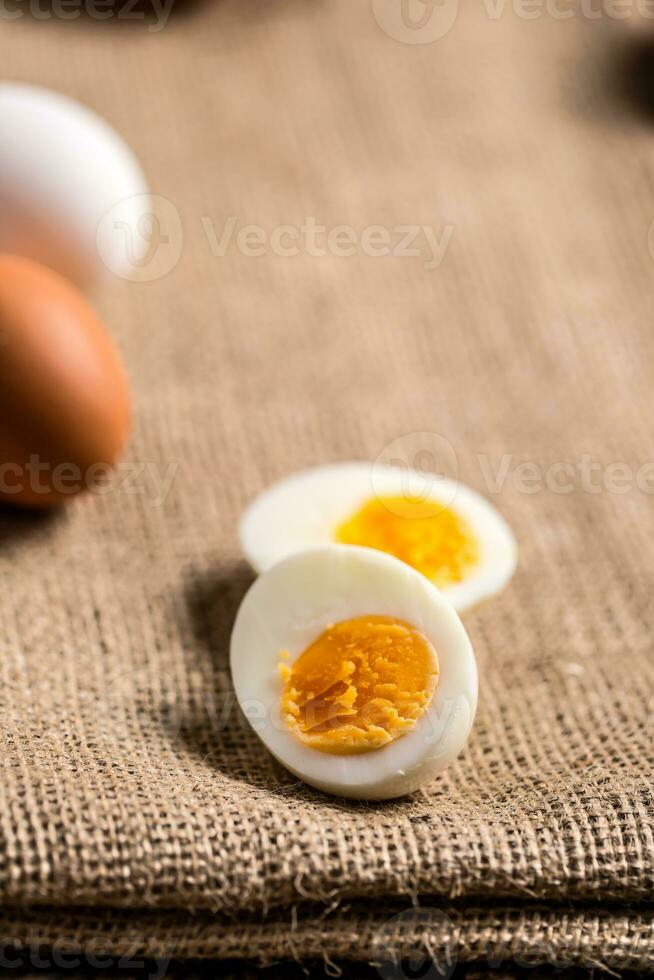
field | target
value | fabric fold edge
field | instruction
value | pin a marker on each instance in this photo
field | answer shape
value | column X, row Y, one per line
column 538, row 935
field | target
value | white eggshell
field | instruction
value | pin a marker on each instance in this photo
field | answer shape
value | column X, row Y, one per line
column 306, row 509
column 62, row 170
column 292, row 604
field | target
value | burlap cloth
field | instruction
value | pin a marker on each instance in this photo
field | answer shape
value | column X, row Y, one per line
column 134, row 805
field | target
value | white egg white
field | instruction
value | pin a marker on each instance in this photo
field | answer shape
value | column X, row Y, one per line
column 305, row 510
column 291, row 605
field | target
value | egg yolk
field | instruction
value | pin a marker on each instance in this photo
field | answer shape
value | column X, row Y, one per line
column 363, row 683
column 439, row 544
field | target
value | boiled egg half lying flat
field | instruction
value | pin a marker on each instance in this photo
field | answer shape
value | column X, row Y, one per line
column 445, row 530
column 354, row 670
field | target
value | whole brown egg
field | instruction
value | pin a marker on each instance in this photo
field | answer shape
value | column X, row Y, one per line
column 64, row 400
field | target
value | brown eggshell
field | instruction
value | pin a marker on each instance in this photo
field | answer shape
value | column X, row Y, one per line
column 64, row 400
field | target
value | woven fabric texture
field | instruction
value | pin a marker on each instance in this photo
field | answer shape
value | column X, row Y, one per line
column 498, row 938
column 128, row 782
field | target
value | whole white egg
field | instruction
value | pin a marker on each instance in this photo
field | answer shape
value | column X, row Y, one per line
column 63, row 170
column 342, row 611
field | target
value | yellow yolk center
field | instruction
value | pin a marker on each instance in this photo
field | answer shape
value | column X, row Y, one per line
column 439, row 543
column 360, row 685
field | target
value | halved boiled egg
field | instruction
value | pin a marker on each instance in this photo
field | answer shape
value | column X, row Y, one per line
column 354, row 670
column 443, row 529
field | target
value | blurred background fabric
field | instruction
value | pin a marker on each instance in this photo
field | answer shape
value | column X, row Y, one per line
column 135, row 804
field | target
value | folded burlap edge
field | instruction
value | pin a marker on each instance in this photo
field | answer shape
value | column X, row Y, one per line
column 559, row 936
